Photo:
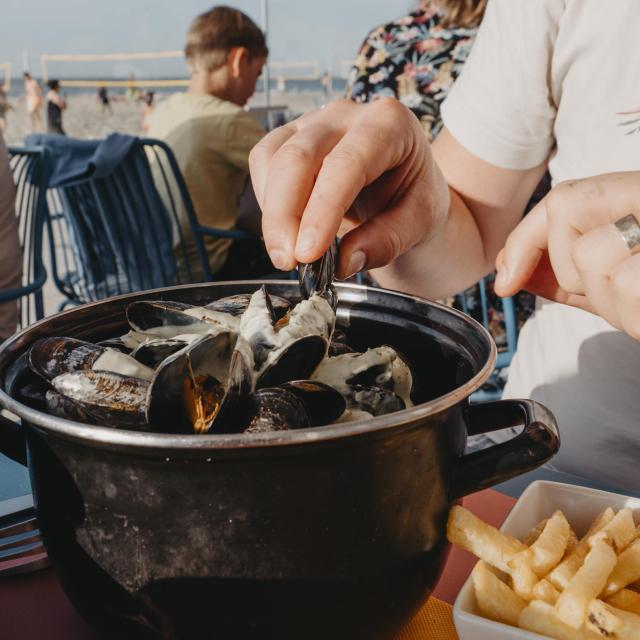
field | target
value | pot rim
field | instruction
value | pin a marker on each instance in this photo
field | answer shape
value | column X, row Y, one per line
column 137, row 439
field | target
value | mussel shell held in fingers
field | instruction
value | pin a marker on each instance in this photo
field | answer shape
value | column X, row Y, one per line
column 50, row 357
column 108, row 399
column 275, row 409
column 317, row 277
column 323, row 403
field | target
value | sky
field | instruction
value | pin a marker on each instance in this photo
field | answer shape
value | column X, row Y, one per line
column 328, row 31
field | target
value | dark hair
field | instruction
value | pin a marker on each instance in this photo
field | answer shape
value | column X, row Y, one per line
column 213, row 34
column 26, row 74
column 54, row 85
column 458, row 13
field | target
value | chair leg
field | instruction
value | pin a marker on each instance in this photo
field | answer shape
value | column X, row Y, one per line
column 65, row 303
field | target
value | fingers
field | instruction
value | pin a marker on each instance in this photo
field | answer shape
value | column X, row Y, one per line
column 576, row 207
column 307, row 176
column 292, row 172
column 363, row 154
column 624, row 281
column 522, row 252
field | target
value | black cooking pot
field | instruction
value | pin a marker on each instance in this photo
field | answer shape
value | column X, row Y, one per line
column 334, row 532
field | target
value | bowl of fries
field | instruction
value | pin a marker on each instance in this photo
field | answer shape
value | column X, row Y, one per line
column 565, row 564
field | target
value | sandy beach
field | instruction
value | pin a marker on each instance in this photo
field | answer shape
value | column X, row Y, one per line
column 84, row 118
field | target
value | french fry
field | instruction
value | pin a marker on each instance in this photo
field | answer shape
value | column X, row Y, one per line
column 547, row 551
column 626, row 600
column 560, row 575
column 495, row 599
column 534, row 534
column 602, row 620
column 540, row 617
column 618, row 532
column 626, row 571
column 630, row 629
column 469, row 532
column 545, row 591
column 522, row 576
column 587, row 583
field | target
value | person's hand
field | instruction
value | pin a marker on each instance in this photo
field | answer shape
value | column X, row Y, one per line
column 568, row 249
column 361, row 171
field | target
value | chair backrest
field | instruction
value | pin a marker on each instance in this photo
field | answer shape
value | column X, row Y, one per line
column 131, row 230
column 499, row 318
column 30, row 173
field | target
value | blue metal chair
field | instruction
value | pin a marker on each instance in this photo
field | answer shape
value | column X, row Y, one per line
column 475, row 302
column 30, row 173
column 118, row 234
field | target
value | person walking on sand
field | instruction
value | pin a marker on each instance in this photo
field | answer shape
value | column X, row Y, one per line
column 55, row 106
column 105, row 102
column 33, row 96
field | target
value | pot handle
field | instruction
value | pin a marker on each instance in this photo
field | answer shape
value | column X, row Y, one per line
column 537, row 443
column 12, row 442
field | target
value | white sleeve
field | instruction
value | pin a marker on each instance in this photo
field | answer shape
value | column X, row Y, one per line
column 501, row 108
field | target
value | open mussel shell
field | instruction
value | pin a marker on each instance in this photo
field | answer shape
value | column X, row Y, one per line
column 236, row 305
column 152, row 353
column 115, row 343
column 102, row 397
column 297, row 361
column 317, row 277
column 157, row 315
column 323, row 403
column 275, row 409
column 376, row 401
column 198, row 385
column 50, row 357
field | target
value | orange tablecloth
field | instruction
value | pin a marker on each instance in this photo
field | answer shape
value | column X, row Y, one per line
column 33, row 606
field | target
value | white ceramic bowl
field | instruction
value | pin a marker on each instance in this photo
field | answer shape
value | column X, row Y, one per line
column 541, row 498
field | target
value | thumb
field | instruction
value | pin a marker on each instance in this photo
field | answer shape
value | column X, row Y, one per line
column 522, row 252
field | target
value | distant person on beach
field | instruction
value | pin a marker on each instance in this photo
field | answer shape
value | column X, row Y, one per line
column 55, row 106
column 33, row 96
column 147, row 109
column 10, row 256
column 105, row 103
column 325, row 81
column 211, row 134
column 5, row 107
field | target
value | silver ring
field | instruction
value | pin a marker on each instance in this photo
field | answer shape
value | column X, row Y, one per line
column 629, row 229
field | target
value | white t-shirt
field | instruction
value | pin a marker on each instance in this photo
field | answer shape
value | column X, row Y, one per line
column 560, row 79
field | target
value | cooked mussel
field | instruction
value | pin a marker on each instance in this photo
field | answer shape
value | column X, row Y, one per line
column 323, row 403
column 163, row 319
column 376, row 400
column 275, row 409
column 103, row 397
column 380, row 368
column 50, row 357
column 292, row 347
column 236, row 305
column 153, row 352
column 316, row 278
column 198, row 386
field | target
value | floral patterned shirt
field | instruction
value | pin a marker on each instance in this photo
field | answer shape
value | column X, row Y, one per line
column 413, row 59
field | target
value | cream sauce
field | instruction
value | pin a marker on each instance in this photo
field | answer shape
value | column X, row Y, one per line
column 118, row 362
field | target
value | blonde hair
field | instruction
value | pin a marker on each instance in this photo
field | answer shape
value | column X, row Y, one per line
column 213, row 34
column 458, row 13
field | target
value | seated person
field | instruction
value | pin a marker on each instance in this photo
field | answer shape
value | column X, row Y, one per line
column 211, row 134
column 10, row 255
